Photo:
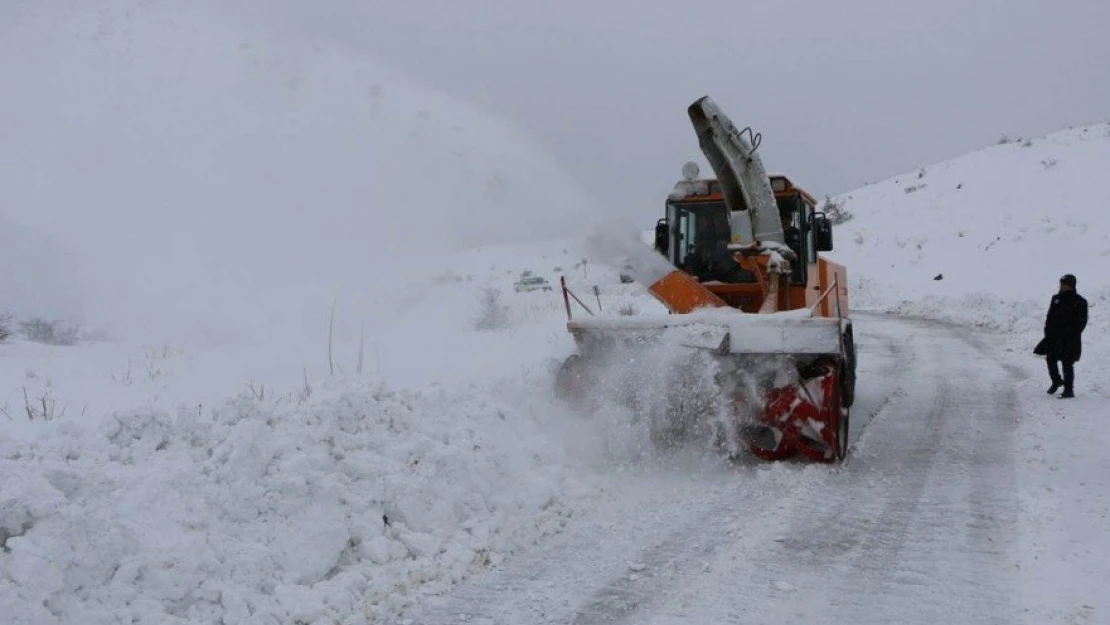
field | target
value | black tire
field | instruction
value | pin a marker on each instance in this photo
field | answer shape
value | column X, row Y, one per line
column 848, row 374
column 843, row 432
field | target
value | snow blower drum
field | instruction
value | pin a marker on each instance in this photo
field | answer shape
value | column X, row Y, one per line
column 688, row 380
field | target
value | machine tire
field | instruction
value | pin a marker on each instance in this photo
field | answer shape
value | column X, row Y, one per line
column 848, row 373
column 843, row 430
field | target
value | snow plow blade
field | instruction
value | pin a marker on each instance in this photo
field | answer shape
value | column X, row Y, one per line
column 726, row 331
column 767, row 384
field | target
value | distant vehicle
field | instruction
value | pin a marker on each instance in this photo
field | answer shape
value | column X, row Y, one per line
column 530, row 282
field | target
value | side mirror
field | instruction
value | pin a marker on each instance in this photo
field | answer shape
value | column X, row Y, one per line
column 662, row 236
column 822, row 228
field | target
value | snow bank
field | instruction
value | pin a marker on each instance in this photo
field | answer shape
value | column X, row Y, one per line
column 337, row 506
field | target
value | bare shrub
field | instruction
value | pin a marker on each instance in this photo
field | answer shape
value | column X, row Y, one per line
column 42, row 408
column 5, row 327
column 494, row 315
column 40, row 330
column 628, row 310
column 834, row 209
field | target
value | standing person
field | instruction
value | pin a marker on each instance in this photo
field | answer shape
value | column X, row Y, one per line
column 1063, row 328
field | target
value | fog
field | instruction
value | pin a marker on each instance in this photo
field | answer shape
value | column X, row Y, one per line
column 223, row 164
column 216, row 173
column 844, row 93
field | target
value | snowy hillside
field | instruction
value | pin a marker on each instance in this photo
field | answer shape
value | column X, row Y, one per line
column 209, row 165
column 998, row 227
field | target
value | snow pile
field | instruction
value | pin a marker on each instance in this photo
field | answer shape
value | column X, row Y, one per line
column 335, row 506
column 984, row 238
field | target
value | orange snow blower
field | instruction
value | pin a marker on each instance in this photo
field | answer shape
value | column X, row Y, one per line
column 756, row 351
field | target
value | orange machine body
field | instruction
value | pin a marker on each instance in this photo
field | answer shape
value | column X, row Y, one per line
column 683, row 291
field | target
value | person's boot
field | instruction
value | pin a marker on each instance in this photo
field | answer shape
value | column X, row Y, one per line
column 1069, row 382
column 1055, row 387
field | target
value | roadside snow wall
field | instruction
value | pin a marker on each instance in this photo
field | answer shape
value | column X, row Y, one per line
column 293, row 511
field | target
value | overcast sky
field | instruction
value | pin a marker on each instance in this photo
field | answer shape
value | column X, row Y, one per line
column 844, row 92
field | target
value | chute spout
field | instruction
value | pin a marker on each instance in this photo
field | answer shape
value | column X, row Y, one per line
column 753, row 212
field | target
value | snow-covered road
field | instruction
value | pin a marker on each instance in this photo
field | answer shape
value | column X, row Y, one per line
column 918, row 527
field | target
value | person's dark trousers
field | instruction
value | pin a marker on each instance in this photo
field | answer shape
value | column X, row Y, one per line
column 1069, row 375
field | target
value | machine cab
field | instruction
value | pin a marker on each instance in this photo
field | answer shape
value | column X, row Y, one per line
column 695, row 233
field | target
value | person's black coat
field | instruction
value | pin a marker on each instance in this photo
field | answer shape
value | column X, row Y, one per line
column 1063, row 327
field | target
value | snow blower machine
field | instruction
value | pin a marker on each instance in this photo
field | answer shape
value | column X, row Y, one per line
column 759, row 318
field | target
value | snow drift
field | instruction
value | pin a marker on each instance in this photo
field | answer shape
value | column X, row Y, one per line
column 332, row 506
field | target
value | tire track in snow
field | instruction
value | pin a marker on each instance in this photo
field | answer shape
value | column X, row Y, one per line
column 836, row 526
column 628, row 598
column 688, row 551
column 681, row 532
column 664, row 526
column 917, row 530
